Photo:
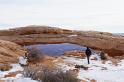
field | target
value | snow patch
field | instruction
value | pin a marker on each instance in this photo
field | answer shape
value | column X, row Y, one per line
column 22, row 61
column 73, row 35
column 15, row 67
column 96, row 69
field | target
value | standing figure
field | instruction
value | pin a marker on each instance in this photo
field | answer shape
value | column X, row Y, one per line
column 88, row 54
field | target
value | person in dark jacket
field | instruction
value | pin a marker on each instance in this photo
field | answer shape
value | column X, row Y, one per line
column 88, row 54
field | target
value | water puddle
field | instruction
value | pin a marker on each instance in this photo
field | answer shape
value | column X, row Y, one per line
column 57, row 49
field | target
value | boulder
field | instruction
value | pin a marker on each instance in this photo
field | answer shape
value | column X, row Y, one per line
column 107, row 42
column 9, row 52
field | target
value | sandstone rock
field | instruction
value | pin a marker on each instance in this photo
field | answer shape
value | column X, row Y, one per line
column 10, row 75
column 2, row 81
column 107, row 42
column 59, row 60
column 33, row 29
column 5, row 67
column 9, row 52
column 77, row 54
column 83, row 81
column 93, row 80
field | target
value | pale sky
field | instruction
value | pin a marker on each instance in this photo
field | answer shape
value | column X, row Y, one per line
column 98, row 15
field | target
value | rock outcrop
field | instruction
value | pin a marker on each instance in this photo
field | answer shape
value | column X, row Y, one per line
column 5, row 67
column 75, row 53
column 107, row 42
column 9, row 52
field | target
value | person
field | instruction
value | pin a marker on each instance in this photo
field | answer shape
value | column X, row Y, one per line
column 88, row 54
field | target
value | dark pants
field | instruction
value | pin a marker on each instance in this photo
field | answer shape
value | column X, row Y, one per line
column 88, row 57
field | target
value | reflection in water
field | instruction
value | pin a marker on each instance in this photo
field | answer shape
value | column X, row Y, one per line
column 57, row 49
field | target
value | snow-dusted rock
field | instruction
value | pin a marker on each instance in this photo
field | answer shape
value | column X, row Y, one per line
column 22, row 61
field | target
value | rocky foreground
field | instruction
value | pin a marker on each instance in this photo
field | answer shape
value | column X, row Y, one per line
column 107, row 42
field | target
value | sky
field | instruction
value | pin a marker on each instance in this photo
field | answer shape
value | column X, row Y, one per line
column 97, row 15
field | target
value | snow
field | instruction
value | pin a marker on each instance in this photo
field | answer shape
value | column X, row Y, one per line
column 18, row 78
column 22, row 60
column 73, row 35
column 97, row 70
column 112, row 73
column 15, row 67
column 25, row 80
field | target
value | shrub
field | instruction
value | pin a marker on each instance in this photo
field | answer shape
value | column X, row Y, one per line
column 34, row 55
column 103, row 56
column 58, row 76
column 32, row 71
column 42, row 74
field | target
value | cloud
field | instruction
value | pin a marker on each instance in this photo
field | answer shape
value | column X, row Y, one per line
column 100, row 15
